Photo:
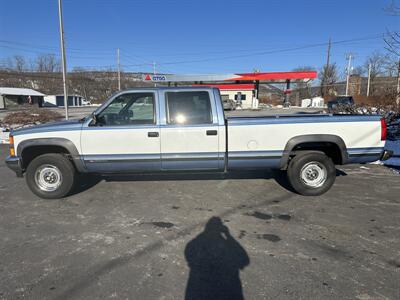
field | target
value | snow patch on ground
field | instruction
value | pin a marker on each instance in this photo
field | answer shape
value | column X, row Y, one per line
column 4, row 136
column 396, row 170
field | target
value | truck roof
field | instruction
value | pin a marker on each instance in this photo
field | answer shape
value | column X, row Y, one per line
column 161, row 88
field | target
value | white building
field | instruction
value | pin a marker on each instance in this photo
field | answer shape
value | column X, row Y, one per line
column 313, row 102
column 13, row 97
column 58, row 100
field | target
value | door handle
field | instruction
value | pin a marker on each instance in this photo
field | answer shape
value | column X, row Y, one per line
column 211, row 132
column 152, row 134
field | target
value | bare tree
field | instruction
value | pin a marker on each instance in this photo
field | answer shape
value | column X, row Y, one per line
column 392, row 9
column 48, row 63
column 390, row 66
column 359, row 70
column 16, row 63
column 328, row 76
column 380, row 65
column 20, row 63
column 392, row 38
column 378, row 62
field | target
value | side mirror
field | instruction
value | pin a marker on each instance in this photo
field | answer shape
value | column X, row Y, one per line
column 94, row 120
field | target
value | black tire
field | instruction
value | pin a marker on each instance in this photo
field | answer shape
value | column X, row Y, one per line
column 55, row 162
column 316, row 163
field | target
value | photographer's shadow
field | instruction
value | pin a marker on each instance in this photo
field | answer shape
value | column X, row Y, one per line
column 215, row 258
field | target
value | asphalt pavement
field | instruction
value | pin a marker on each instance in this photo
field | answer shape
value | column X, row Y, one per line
column 171, row 237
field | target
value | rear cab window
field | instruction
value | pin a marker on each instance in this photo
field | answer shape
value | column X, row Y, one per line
column 188, row 108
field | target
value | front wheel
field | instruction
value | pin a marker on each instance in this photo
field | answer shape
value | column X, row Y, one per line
column 50, row 176
column 311, row 174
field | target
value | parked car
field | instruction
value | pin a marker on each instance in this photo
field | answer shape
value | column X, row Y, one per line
column 340, row 101
column 185, row 130
column 394, row 129
column 228, row 104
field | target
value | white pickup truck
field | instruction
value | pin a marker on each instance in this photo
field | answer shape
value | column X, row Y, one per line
column 184, row 129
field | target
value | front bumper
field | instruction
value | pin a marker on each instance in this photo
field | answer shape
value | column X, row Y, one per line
column 14, row 163
column 386, row 155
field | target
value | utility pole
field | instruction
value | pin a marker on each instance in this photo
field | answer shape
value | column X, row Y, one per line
column 349, row 57
column 369, row 79
column 64, row 63
column 329, row 53
column 328, row 57
column 119, row 70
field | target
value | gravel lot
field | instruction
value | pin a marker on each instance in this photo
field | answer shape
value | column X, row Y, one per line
column 146, row 237
column 73, row 112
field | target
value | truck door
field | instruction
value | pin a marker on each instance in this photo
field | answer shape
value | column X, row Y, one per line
column 125, row 136
column 189, row 131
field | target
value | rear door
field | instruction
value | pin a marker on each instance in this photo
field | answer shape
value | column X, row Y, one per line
column 189, row 131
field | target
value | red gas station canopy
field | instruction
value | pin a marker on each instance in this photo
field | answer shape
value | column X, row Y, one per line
column 277, row 76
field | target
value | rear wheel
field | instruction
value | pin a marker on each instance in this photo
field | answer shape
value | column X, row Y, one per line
column 50, row 176
column 311, row 174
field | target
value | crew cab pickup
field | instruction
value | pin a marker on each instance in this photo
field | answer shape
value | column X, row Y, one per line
column 185, row 130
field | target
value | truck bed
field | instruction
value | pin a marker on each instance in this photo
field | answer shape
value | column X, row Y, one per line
column 265, row 143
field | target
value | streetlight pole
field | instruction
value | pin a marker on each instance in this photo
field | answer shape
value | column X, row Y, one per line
column 369, row 79
column 64, row 63
column 348, row 73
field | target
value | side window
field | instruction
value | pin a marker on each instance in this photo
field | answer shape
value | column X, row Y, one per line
column 242, row 97
column 129, row 109
column 188, row 108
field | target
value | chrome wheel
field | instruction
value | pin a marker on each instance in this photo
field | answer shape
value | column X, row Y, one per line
column 313, row 174
column 48, row 178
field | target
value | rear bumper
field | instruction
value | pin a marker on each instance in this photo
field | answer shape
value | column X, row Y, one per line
column 14, row 163
column 386, row 155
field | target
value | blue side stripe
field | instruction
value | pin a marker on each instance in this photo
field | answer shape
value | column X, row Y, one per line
column 369, row 150
column 153, row 156
column 120, row 157
column 253, row 154
column 199, row 155
column 211, row 155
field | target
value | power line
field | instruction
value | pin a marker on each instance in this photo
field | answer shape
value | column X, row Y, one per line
column 269, row 52
column 52, row 52
column 263, row 52
column 146, row 62
column 54, row 48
